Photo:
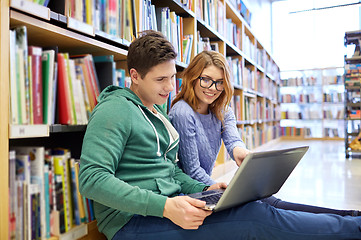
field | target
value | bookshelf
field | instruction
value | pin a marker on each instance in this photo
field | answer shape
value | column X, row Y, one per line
column 312, row 103
column 256, row 75
column 352, row 94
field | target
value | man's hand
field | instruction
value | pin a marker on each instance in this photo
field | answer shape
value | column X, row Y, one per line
column 239, row 154
column 185, row 211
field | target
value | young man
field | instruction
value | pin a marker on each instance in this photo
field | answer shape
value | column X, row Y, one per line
column 128, row 168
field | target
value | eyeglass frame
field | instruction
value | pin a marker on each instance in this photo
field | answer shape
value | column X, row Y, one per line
column 210, row 79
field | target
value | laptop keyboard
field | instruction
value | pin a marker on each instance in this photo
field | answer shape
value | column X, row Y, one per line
column 212, row 199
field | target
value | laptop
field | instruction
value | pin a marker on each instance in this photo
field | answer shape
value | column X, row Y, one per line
column 260, row 175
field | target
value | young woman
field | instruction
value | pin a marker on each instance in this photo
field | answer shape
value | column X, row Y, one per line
column 201, row 115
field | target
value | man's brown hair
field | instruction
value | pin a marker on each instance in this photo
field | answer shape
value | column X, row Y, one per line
column 148, row 50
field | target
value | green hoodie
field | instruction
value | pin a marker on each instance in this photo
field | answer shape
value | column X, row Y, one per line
column 128, row 165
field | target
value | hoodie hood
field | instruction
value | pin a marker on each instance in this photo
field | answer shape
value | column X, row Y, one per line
column 115, row 91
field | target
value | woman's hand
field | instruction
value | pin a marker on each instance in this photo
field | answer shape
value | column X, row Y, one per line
column 239, row 154
column 217, row 186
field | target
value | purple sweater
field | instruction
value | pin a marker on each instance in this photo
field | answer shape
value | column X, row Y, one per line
column 200, row 139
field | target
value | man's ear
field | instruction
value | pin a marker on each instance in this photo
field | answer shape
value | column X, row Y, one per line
column 134, row 75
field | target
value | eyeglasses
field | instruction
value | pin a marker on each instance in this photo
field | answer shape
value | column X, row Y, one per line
column 206, row 82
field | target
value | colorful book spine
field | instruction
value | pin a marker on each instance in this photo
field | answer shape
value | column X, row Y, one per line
column 61, row 186
column 64, row 99
column 36, row 84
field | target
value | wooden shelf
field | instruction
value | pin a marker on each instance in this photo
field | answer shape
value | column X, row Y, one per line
column 46, row 34
column 4, row 118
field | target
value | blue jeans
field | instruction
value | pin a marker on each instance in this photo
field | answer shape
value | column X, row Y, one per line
column 254, row 220
column 278, row 203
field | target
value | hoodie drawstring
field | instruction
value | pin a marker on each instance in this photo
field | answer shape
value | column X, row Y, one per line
column 155, row 131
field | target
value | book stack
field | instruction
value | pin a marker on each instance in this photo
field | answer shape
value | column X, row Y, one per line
column 45, row 199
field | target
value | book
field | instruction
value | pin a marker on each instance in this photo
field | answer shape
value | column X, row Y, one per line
column 81, row 78
column 23, row 181
column 82, row 211
column 63, row 93
column 47, row 197
column 48, row 61
column 14, row 111
column 61, row 167
column 12, row 194
column 30, row 77
column 90, row 77
column 54, row 113
column 60, row 189
column 70, row 75
column 76, row 206
column 105, row 70
column 22, row 71
column 21, row 93
column 34, row 211
column 37, row 84
column 77, row 101
column 120, row 77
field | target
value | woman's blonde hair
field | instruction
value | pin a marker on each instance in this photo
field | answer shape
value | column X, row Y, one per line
column 194, row 70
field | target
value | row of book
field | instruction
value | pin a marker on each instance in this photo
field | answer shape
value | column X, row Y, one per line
column 256, row 136
column 272, row 111
column 271, row 89
column 261, row 57
column 204, row 44
column 260, row 81
column 248, row 47
column 308, row 114
column 296, row 131
column 301, row 81
column 313, row 81
column 334, row 97
column 301, row 98
column 233, row 33
column 264, row 85
column 117, row 18
column 44, row 193
column 334, row 114
column 254, row 110
column 33, row 81
column 236, row 70
column 248, row 80
column 212, row 13
column 307, row 132
column 333, row 80
column 48, row 87
column 170, row 24
column 241, row 7
column 352, row 74
column 332, row 132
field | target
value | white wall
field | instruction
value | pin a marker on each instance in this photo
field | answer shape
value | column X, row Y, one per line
column 261, row 24
column 311, row 39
